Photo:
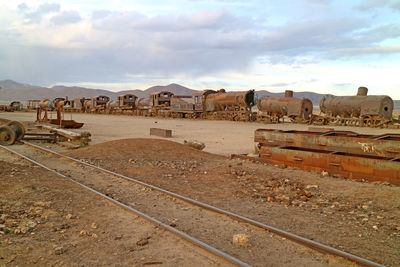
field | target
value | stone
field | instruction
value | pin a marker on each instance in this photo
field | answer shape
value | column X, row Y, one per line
column 94, row 235
column 82, row 233
column 324, row 173
column 142, row 242
column 240, row 239
column 59, row 250
column 93, row 226
column 69, row 216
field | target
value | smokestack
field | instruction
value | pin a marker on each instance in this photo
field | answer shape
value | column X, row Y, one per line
column 362, row 91
column 288, row 93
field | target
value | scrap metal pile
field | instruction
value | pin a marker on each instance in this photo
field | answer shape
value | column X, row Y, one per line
column 352, row 155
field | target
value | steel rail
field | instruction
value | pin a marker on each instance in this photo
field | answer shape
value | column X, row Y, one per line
column 181, row 234
column 296, row 238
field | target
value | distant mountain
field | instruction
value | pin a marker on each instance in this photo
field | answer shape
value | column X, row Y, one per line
column 12, row 90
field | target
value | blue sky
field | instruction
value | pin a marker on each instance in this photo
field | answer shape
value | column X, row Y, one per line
column 324, row 46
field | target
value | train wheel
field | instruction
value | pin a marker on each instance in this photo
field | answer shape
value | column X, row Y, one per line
column 7, row 136
column 18, row 128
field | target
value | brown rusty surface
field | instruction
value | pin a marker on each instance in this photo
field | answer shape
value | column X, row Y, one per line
column 286, row 106
column 357, row 106
column 222, row 100
column 350, row 166
column 385, row 145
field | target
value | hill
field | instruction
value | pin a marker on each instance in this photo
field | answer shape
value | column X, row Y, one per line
column 12, row 90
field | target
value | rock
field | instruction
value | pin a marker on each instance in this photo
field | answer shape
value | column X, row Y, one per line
column 324, row 173
column 30, row 224
column 240, row 239
column 311, row 186
column 142, row 242
column 2, row 226
column 94, row 235
column 69, row 216
column 93, row 226
column 375, row 227
column 195, row 144
column 59, row 250
column 42, row 203
column 82, row 233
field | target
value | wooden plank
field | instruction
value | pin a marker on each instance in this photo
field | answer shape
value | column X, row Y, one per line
column 161, row 132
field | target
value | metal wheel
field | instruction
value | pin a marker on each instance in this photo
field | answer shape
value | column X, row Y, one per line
column 18, row 128
column 7, row 136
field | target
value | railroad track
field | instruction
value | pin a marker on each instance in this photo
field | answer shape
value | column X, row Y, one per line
column 127, row 197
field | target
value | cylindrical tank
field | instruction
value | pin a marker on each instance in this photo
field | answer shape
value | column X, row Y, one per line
column 286, row 106
column 46, row 104
column 223, row 100
column 356, row 106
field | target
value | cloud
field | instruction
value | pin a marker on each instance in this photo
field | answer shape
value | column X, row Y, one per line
column 379, row 4
column 36, row 16
column 107, row 45
column 365, row 51
column 66, row 17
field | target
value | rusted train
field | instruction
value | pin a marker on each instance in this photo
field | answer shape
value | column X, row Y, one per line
column 275, row 109
column 359, row 110
column 208, row 104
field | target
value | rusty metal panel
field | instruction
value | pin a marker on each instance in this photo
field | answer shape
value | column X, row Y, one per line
column 386, row 145
column 371, row 168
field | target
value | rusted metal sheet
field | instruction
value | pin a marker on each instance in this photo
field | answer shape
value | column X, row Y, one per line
column 366, row 167
column 385, row 145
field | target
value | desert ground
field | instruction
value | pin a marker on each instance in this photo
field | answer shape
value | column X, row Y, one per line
column 50, row 221
column 220, row 137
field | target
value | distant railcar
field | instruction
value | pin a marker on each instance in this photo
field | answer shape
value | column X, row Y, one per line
column 276, row 108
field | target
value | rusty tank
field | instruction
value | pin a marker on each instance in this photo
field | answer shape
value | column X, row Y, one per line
column 358, row 106
column 222, row 100
column 275, row 108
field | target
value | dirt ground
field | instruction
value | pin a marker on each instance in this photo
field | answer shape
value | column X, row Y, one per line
column 360, row 218
column 220, row 137
column 49, row 221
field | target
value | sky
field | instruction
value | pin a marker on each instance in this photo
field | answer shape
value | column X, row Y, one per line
column 324, row 46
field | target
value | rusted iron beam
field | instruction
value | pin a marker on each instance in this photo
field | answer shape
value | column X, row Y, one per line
column 386, row 145
column 371, row 168
column 161, row 132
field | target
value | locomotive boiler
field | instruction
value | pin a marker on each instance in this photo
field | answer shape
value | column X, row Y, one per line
column 364, row 109
column 276, row 108
column 229, row 105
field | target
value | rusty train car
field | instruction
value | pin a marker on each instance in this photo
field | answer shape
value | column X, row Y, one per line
column 97, row 104
column 359, row 110
column 275, row 109
column 210, row 104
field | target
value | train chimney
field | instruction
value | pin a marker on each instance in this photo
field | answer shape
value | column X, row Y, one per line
column 362, row 91
column 288, row 93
